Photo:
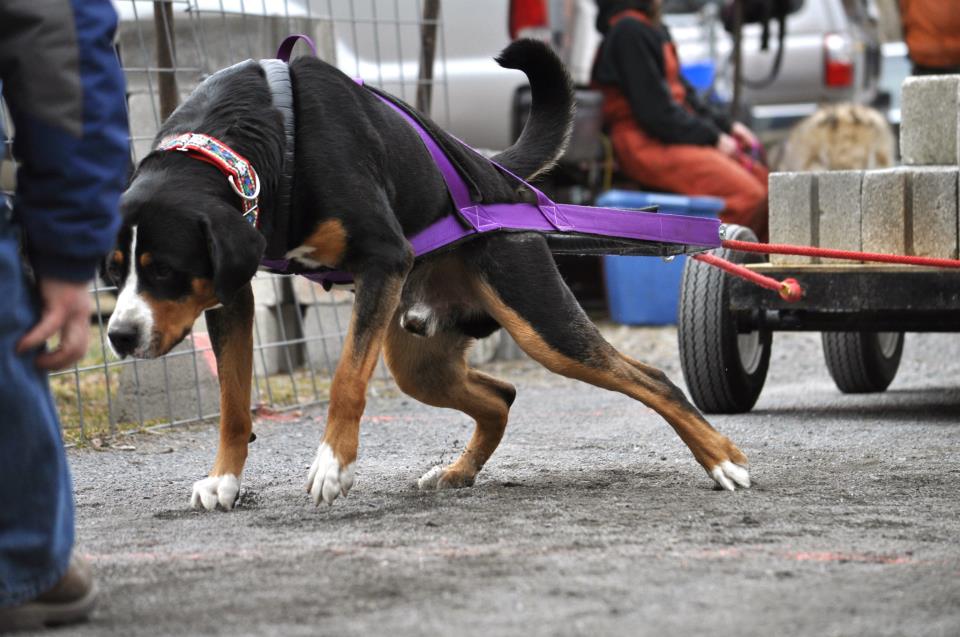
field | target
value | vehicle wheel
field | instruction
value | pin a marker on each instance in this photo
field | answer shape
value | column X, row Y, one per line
column 724, row 369
column 862, row 362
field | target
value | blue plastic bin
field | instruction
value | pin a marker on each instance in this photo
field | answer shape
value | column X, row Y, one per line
column 699, row 74
column 646, row 290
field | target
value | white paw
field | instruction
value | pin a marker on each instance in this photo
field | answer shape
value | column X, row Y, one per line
column 431, row 479
column 728, row 475
column 209, row 492
column 327, row 480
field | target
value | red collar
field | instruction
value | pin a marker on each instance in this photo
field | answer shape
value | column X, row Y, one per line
column 240, row 173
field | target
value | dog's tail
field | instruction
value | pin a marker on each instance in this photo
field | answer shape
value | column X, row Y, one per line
column 547, row 130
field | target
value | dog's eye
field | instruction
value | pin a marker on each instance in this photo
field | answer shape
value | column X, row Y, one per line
column 114, row 272
column 162, row 271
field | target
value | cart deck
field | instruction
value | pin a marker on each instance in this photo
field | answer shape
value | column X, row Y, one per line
column 851, row 297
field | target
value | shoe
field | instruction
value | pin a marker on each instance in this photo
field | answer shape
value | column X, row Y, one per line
column 70, row 601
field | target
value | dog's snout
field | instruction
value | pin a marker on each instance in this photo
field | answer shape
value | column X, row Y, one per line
column 124, row 339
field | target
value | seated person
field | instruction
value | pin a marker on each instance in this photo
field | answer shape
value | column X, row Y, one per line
column 663, row 135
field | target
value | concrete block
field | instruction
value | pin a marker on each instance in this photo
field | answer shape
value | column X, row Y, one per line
column 508, row 350
column 271, row 289
column 166, row 389
column 929, row 110
column 933, row 194
column 484, row 350
column 885, row 211
column 273, row 328
column 306, row 292
column 325, row 326
column 793, row 214
column 838, row 197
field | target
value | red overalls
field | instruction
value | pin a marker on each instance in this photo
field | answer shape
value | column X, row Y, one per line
column 683, row 168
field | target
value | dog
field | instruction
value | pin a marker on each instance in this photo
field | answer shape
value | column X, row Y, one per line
column 362, row 183
column 842, row 136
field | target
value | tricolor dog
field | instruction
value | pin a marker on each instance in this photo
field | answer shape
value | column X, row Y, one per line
column 344, row 190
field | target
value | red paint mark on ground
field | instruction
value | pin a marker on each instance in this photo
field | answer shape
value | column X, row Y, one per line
column 140, row 557
column 862, row 558
column 201, row 341
column 714, row 553
column 262, row 412
column 839, row 557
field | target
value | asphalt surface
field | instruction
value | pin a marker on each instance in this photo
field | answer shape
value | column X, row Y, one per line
column 591, row 519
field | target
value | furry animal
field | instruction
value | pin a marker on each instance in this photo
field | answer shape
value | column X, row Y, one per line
column 843, row 136
column 363, row 182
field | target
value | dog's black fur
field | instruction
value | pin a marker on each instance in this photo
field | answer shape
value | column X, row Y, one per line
column 360, row 165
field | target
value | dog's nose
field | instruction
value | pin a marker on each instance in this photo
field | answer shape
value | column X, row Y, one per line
column 124, row 339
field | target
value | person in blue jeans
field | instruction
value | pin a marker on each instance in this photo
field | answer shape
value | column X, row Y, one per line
column 65, row 92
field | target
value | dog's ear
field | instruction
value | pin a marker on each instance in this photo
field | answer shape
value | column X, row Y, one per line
column 235, row 249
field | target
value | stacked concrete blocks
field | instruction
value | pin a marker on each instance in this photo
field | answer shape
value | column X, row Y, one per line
column 180, row 386
column 934, row 197
column 838, row 210
column 928, row 120
column 908, row 210
column 276, row 329
column 326, row 319
column 793, row 201
column 885, row 211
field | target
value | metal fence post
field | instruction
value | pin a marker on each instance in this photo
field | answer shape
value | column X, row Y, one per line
column 428, row 48
column 166, row 53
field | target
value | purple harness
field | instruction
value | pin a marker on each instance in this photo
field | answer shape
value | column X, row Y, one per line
column 688, row 234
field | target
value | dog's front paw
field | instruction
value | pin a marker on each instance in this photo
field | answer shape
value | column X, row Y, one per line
column 327, row 479
column 729, row 475
column 209, row 492
column 439, row 478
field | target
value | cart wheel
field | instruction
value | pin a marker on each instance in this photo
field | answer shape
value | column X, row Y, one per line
column 862, row 362
column 724, row 369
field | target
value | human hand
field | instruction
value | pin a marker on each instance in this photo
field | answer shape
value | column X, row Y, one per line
column 66, row 310
column 744, row 135
column 727, row 145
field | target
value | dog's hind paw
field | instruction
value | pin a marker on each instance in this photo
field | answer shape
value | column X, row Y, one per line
column 431, row 479
column 209, row 492
column 327, row 480
column 729, row 475
column 439, row 478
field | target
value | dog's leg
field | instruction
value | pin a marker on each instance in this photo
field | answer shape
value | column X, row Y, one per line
column 231, row 334
column 543, row 317
column 377, row 296
column 434, row 371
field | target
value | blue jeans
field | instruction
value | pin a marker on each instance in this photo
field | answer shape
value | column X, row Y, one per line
column 36, row 499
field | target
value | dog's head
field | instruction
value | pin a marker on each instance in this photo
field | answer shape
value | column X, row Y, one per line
column 184, row 247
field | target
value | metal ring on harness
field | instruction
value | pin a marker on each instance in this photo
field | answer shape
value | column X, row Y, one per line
column 233, row 184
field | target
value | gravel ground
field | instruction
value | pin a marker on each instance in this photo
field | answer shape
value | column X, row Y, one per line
column 592, row 517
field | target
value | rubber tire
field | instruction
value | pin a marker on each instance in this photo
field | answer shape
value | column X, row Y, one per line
column 710, row 359
column 857, row 363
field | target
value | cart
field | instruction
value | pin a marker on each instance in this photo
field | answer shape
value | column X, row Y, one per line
column 726, row 324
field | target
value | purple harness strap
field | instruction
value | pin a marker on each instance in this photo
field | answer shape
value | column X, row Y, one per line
column 545, row 216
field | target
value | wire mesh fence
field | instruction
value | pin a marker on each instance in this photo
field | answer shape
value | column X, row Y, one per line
column 166, row 48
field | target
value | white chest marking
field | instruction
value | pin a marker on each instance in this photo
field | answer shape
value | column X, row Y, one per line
column 299, row 254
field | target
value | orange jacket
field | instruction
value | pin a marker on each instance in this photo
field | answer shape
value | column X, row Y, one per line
column 931, row 29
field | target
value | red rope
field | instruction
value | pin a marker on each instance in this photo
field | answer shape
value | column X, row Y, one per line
column 788, row 289
column 805, row 251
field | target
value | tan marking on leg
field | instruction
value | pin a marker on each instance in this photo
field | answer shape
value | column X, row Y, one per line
column 329, row 243
column 235, row 369
column 434, row 371
column 348, row 391
column 172, row 320
column 614, row 371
